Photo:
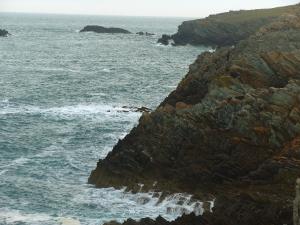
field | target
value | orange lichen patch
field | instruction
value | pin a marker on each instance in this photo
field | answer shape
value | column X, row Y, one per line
column 225, row 81
column 248, row 74
column 291, row 147
column 182, row 105
column 294, row 144
column 261, row 130
column 287, row 64
column 168, row 108
column 237, row 140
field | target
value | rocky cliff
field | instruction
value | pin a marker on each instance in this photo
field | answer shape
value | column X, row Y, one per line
column 225, row 29
column 230, row 131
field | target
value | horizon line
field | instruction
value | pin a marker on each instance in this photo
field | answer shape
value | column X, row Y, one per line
column 93, row 14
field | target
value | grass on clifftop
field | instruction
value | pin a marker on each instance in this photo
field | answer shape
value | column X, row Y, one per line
column 247, row 15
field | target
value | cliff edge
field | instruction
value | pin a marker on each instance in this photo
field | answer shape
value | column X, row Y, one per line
column 225, row 29
column 230, row 130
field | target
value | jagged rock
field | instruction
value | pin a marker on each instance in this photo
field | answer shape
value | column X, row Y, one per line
column 141, row 109
column 184, row 220
column 100, row 29
column 145, row 33
column 296, row 211
column 4, row 33
column 225, row 29
column 165, row 39
column 231, row 127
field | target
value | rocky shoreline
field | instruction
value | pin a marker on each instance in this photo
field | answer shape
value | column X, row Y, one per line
column 225, row 29
column 230, row 131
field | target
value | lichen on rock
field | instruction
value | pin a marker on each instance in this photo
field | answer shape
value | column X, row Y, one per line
column 231, row 128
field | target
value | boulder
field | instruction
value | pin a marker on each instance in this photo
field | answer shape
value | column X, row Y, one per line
column 4, row 33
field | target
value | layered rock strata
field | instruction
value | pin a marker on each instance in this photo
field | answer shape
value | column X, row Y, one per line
column 225, row 29
column 231, row 130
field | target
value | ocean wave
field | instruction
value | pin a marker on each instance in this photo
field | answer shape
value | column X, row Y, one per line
column 73, row 110
column 140, row 205
column 106, row 70
column 68, row 221
column 16, row 162
column 14, row 216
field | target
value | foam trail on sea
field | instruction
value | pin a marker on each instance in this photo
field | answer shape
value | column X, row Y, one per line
column 71, row 111
column 69, row 221
column 16, row 162
column 139, row 205
column 15, row 217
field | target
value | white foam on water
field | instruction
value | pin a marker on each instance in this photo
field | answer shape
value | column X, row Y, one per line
column 68, row 221
column 14, row 216
column 16, row 162
column 79, row 110
column 163, row 46
column 106, row 70
column 128, row 205
column 3, row 172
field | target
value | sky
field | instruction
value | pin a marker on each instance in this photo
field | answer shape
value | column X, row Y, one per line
column 167, row 8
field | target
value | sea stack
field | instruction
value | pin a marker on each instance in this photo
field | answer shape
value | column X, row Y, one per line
column 100, row 29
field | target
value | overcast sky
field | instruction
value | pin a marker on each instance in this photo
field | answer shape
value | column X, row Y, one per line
column 180, row 8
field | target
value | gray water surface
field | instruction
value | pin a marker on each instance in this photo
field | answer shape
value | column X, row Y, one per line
column 61, row 101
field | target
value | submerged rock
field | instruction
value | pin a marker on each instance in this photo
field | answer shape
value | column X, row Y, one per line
column 100, row 29
column 145, row 33
column 231, row 128
column 165, row 39
column 225, row 29
column 4, row 33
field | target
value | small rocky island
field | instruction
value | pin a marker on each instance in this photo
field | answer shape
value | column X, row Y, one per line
column 230, row 132
column 3, row 33
column 100, row 29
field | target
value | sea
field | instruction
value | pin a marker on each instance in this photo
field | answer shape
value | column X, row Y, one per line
column 65, row 101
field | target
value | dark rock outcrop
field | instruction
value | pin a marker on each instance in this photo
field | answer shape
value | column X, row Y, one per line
column 231, row 128
column 240, row 210
column 225, row 29
column 145, row 33
column 100, row 29
column 4, row 33
column 296, row 209
column 165, row 39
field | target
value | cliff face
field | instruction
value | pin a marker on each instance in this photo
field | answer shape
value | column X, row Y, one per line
column 225, row 29
column 231, row 128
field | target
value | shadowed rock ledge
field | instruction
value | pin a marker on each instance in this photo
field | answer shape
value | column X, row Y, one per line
column 230, row 130
column 225, row 29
